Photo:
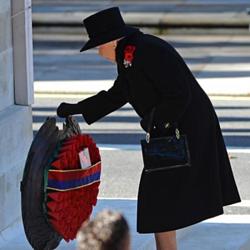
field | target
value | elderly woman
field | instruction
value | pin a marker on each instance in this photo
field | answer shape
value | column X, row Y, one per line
column 151, row 74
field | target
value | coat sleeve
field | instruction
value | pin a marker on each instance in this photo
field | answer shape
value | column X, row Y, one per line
column 104, row 102
column 164, row 69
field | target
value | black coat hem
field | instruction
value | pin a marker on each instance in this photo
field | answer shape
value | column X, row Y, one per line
column 230, row 202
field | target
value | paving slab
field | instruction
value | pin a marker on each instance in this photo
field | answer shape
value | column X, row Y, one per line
column 220, row 63
column 14, row 237
column 223, row 232
column 146, row 13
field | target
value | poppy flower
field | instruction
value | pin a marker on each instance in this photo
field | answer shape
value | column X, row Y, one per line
column 128, row 55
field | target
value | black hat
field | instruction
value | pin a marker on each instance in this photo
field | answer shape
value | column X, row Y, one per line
column 105, row 26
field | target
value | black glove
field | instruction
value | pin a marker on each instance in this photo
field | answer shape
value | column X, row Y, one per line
column 159, row 125
column 66, row 109
column 146, row 119
column 145, row 122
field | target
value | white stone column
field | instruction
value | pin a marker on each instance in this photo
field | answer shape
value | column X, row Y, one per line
column 23, row 51
column 16, row 97
column 6, row 59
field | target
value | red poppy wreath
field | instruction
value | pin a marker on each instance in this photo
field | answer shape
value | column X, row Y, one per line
column 60, row 183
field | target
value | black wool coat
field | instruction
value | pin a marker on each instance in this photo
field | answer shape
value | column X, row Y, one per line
column 159, row 77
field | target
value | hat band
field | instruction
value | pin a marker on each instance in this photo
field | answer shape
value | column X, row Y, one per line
column 103, row 32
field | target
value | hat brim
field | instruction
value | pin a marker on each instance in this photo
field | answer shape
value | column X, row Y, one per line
column 127, row 30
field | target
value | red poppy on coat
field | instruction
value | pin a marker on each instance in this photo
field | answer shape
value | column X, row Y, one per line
column 128, row 55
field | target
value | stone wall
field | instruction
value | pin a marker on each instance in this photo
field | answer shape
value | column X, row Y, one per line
column 16, row 98
column 6, row 58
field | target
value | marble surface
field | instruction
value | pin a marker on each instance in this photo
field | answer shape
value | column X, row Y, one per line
column 16, row 87
column 15, row 139
column 22, row 52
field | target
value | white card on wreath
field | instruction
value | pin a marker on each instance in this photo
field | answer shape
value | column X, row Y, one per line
column 84, row 158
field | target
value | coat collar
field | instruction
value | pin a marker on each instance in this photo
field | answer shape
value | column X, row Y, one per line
column 121, row 46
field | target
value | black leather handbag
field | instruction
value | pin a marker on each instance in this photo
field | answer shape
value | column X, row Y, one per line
column 164, row 153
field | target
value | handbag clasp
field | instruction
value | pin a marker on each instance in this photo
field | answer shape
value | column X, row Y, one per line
column 147, row 137
column 177, row 133
column 166, row 125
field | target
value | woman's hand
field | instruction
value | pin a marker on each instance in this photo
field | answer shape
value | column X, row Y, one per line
column 66, row 109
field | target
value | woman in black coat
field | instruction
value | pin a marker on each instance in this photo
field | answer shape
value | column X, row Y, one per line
column 151, row 73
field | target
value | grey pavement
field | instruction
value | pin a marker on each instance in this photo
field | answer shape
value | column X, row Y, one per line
column 146, row 13
column 141, row 6
column 127, row 207
column 224, row 232
column 221, row 64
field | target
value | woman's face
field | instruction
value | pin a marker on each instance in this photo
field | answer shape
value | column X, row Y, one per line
column 107, row 50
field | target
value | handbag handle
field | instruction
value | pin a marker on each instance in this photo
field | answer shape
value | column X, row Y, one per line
column 177, row 132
